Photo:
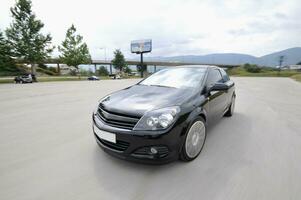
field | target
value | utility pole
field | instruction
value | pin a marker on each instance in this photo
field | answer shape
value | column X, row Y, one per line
column 95, row 68
column 141, row 64
column 281, row 58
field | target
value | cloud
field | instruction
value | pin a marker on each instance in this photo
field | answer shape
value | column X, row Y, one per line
column 176, row 27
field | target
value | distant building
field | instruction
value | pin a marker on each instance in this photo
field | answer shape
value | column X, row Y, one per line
column 292, row 67
column 135, row 73
column 66, row 70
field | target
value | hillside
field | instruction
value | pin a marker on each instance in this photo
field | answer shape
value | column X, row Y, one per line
column 291, row 57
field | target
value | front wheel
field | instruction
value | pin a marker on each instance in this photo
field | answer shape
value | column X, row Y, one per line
column 194, row 141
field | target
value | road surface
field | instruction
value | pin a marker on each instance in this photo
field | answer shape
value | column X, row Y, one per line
column 47, row 150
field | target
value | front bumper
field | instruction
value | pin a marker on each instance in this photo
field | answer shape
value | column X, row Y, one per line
column 136, row 147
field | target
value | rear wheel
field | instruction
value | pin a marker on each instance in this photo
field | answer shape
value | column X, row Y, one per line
column 194, row 141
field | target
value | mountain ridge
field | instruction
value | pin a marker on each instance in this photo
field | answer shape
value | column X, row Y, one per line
column 291, row 57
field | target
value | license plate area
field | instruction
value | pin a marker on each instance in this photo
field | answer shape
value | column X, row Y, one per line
column 111, row 137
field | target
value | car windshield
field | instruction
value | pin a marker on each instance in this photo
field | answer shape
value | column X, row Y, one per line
column 176, row 77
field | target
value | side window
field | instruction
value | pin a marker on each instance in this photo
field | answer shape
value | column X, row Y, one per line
column 224, row 75
column 214, row 76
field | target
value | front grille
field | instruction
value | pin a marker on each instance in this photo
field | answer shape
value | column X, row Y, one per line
column 119, row 145
column 116, row 119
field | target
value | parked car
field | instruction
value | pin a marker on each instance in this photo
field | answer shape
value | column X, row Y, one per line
column 115, row 76
column 27, row 78
column 93, row 78
column 165, row 116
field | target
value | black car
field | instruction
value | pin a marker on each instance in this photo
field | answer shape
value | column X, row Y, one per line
column 165, row 116
column 93, row 78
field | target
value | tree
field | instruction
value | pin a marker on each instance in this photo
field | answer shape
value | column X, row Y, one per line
column 102, row 71
column 74, row 50
column 252, row 68
column 25, row 37
column 127, row 70
column 6, row 61
column 118, row 61
column 299, row 63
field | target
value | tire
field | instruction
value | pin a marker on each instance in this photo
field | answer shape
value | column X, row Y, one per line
column 230, row 110
column 194, row 141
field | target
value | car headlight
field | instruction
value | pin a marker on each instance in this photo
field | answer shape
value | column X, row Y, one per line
column 158, row 119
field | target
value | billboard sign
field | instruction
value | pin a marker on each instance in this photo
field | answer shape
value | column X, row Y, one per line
column 141, row 46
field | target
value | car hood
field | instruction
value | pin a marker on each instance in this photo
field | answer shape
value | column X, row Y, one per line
column 138, row 99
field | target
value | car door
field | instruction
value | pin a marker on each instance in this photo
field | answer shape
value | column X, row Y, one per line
column 216, row 99
column 230, row 92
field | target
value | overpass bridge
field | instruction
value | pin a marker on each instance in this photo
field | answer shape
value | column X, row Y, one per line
column 135, row 62
column 161, row 63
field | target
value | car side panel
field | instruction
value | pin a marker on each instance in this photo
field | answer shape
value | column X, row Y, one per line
column 217, row 103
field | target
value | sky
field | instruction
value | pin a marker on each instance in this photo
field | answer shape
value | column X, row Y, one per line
column 176, row 27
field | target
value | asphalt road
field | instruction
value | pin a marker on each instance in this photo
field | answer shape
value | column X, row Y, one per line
column 47, row 150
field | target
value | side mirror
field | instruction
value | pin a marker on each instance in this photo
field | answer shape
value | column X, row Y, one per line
column 219, row 87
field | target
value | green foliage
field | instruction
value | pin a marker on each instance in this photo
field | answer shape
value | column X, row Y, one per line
column 265, row 72
column 24, row 35
column 85, row 72
column 299, row 63
column 43, row 66
column 6, row 62
column 102, row 71
column 73, row 72
column 118, row 61
column 52, row 69
column 74, row 50
column 49, row 71
column 127, row 70
column 141, row 68
column 252, row 68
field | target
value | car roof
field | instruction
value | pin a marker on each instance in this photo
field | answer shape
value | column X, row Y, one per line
column 193, row 66
column 201, row 66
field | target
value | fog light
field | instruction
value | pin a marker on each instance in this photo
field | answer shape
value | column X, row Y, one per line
column 153, row 150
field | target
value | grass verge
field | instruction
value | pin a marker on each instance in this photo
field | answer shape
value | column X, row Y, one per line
column 59, row 78
column 265, row 72
column 297, row 77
